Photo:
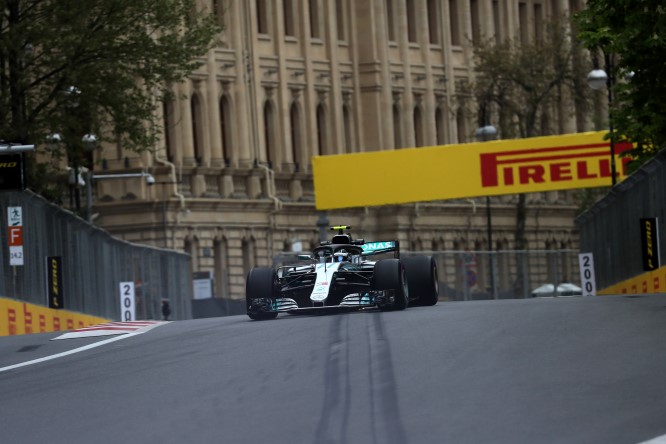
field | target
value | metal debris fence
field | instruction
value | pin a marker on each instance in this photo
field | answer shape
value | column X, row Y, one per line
column 93, row 264
column 482, row 275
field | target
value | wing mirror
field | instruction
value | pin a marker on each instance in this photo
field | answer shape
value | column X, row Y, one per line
column 305, row 257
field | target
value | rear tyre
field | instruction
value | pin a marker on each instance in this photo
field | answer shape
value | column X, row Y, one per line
column 260, row 293
column 422, row 280
column 389, row 277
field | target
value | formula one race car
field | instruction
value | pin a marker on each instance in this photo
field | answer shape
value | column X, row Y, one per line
column 338, row 276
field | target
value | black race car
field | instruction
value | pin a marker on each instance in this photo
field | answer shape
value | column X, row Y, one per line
column 338, row 276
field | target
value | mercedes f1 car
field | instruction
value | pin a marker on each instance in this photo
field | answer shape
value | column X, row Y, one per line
column 339, row 276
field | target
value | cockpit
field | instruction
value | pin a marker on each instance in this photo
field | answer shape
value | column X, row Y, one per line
column 337, row 253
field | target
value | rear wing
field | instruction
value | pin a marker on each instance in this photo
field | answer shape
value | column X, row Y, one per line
column 373, row 248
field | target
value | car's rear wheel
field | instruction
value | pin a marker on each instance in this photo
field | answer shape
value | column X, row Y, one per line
column 260, row 292
column 422, row 280
column 389, row 277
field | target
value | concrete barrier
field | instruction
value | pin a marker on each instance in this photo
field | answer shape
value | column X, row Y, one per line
column 19, row 318
column 645, row 283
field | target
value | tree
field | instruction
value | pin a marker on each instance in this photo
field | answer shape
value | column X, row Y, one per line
column 521, row 81
column 94, row 66
column 632, row 35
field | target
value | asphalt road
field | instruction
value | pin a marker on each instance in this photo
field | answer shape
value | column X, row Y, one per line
column 564, row 370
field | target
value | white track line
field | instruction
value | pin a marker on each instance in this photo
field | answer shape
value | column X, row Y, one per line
column 70, row 352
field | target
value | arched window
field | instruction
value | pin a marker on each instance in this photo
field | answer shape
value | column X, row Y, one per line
column 322, row 130
column 315, row 31
column 397, row 127
column 522, row 22
column 269, row 135
column 538, row 23
column 221, row 252
column 454, row 24
column 418, row 127
column 346, row 121
column 289, row 18
column 461, row 126
column 197, row 128
column 191, row 247
column 225, row 130
column 390, row 20
column 169, row 128
column 340, row 20
column 476, row 21
column 411, row 21
column 439, row 126
column 296, row 142
column 219, row 9
column 433, row 22
column 262, row 17
column 497, row 22
column 248, row 255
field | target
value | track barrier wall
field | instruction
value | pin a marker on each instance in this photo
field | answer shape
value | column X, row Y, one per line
column 611, row 231
column 646, row 283
column 18, row 318
column 92, row 264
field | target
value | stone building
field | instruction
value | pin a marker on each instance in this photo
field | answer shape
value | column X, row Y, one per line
column 292, row 79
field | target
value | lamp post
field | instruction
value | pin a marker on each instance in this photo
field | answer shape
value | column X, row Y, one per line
column 484, row 134
column 596, row 79
column 89, row 144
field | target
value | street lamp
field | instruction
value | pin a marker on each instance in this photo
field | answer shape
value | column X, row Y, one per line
column 596, row 79
column 89, row 144
column 485, row 134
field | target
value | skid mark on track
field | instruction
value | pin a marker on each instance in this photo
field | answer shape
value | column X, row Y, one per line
column 384, row 422
column 385, row 411
column 334, row 417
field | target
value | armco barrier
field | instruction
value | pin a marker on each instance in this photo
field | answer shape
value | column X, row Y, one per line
column 18, row 318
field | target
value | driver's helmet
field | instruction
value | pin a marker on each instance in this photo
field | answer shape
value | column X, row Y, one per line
column 342, row 256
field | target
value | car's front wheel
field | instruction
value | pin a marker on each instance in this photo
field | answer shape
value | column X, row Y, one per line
column 389, row 277
column 260, row 293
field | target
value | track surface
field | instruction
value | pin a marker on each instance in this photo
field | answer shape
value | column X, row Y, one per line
column 565, row 370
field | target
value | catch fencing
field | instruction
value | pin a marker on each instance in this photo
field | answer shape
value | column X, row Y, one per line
column 482, row 275
column 610, row 229
column 93, row 264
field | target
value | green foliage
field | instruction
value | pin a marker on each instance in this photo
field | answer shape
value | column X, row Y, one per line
column 632, row 34
column 117, row 54
column 520, row 80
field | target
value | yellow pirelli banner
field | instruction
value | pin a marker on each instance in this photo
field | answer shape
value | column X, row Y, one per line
column 18, row 318
column 466, row 170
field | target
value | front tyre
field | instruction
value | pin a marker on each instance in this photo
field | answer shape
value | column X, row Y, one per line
column 422, row 280
column 389, row 277
column 260, row 292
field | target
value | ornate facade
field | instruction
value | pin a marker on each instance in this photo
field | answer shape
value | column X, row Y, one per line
column 291, row 79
